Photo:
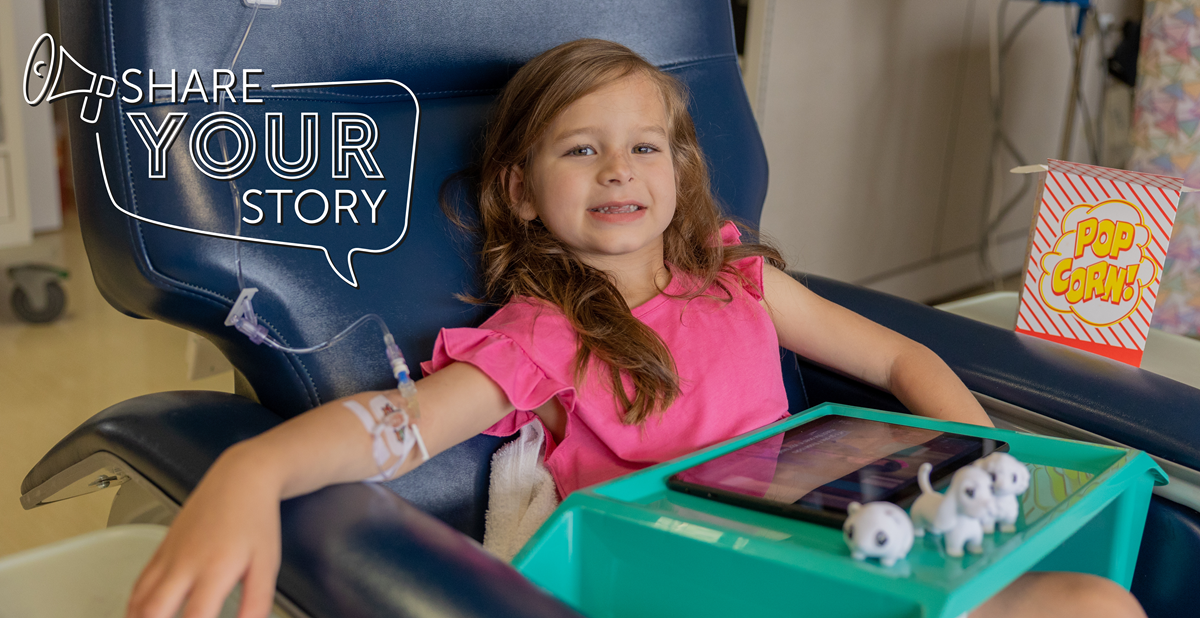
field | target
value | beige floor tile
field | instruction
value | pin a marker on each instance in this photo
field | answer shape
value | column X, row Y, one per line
column 53, row 377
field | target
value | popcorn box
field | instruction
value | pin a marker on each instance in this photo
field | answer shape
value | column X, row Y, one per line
column 1095, row 258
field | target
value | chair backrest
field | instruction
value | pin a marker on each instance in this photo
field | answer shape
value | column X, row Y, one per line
column 454, row 56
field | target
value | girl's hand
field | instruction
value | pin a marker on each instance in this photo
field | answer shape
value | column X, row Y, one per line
column 227, row 531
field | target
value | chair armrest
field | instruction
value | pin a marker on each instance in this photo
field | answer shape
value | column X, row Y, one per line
column 361, row 550
column 169, row 438
column 348, row 550
column 1105, row 397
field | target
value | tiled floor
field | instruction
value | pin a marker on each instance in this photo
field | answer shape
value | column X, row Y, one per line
column 52, row 377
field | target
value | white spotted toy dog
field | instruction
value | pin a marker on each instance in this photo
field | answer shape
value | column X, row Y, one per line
column 1010, row 478
column 878, row 530
column 957, row 513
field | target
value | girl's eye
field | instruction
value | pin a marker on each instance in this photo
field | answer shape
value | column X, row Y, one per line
column 644, row 149
column 582, row 150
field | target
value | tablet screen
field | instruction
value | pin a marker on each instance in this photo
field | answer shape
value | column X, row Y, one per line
column 829, row 463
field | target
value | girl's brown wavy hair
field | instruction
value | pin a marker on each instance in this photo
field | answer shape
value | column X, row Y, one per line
column 521, row 258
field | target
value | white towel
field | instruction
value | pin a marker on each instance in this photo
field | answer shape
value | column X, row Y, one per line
column 521, row 495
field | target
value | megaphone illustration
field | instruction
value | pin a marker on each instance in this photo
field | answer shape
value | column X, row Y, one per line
column 99, row 87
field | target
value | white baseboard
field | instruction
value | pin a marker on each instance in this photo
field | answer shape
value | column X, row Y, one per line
column 954, row 273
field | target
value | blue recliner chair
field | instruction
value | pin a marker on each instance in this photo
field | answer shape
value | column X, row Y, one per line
column 402, row 549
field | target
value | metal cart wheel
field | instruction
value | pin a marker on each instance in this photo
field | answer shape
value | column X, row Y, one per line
column 55, row 300
column 37, row 295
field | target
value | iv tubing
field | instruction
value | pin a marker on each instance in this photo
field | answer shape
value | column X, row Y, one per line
column 237, row 196
column 261, row 336
column 242, row 317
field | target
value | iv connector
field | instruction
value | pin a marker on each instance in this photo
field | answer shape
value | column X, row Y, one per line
column 242, row 317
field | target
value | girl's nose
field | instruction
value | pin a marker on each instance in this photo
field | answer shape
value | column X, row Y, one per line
column 616, row 170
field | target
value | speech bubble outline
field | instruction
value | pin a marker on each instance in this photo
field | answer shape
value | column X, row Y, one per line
column 352, row 281
column 1144, row 257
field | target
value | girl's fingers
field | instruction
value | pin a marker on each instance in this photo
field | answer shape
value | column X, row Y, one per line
column 221, row 531
column 146, row 583
column 258, row 589
column 213, row 587
column 163, row 598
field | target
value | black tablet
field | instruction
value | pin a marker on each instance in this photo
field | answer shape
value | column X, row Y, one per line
column 813, row 472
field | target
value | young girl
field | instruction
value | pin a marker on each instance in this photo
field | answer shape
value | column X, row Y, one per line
column 635, row 329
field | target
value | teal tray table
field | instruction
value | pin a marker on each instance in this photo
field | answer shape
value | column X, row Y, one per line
column 632, row 547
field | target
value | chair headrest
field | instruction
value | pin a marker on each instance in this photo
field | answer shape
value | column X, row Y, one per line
column 454, row 56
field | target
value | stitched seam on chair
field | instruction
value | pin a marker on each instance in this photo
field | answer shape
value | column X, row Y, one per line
column 686, row 62
column 281, row 95
column 152, row 273
column 314, row 396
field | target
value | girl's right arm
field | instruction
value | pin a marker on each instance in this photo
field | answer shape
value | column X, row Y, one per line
column 228, row 530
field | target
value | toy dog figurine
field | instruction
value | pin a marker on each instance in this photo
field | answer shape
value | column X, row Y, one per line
column 956, row 514
column 878, row 530
column 1010, row 478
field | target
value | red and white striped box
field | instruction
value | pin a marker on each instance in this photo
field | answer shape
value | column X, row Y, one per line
column 1096, row 256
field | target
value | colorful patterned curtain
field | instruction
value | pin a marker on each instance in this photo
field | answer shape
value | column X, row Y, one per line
column 1166, row 141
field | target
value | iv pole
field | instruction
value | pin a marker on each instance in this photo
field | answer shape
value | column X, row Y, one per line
column 999, row 43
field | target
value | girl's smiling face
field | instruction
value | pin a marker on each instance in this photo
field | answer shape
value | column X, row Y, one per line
column 602, row 178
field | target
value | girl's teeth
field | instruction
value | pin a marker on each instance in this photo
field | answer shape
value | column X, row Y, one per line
column 618, row 209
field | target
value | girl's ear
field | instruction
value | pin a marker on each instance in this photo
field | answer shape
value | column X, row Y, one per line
column 516, row 194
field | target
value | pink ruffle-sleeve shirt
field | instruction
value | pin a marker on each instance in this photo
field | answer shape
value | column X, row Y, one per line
column 726, row 354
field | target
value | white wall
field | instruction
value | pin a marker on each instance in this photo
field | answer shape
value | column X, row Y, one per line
column 45, row 203
column 876, row 121
column 14, row 202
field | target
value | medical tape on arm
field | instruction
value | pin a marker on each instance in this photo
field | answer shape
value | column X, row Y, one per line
column 394, row 435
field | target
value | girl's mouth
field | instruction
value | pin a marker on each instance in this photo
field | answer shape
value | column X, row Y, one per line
column 617, row 213
column 617, row 209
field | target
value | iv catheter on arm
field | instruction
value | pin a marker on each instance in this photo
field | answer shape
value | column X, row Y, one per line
column 392, row 423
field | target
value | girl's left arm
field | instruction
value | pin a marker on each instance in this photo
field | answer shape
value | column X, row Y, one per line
column 831, row 335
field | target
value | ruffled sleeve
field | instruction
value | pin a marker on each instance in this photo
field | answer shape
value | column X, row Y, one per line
column 498, row 356
column 751, row 267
